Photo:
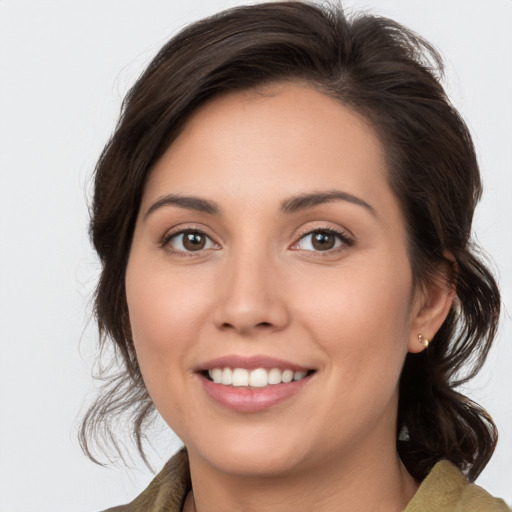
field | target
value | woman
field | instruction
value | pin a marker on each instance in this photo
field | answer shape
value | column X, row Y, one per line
column 283, row 219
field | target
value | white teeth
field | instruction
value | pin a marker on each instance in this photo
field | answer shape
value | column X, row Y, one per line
column 258, row 378
column 227, row 377
column 216, row 375
column 287, row 376
column 240, row 377
column 274, row 376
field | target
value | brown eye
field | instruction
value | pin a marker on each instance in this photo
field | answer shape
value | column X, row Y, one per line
column 189, row 241
column 194, row 241
column 322, row 240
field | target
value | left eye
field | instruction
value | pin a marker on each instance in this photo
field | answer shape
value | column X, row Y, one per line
column 321, row 240
column 190, row 241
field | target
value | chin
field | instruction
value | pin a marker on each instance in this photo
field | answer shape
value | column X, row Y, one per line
column 258, row 465
column 253, row 456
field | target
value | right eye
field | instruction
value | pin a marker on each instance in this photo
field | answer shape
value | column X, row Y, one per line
column 189, row 240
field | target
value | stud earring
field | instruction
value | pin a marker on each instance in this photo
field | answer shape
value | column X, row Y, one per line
column 424, row 341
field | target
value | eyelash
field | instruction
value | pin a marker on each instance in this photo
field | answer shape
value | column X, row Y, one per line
column 346, row 241
column 165, row 243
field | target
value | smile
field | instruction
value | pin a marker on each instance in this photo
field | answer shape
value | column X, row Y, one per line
column 257, row 378
column 252, row 384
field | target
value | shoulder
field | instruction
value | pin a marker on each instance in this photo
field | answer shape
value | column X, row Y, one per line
column 167, row 490
column 446, row 490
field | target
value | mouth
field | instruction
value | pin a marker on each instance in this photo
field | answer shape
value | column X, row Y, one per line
column 252, row 384
column 255, row 378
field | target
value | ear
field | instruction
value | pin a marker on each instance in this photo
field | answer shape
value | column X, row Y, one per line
column 432, row 305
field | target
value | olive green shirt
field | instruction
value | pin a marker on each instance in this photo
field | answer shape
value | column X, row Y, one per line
column 444, row 490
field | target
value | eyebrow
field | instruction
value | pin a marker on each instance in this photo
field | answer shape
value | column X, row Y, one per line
column 288, row 206
column 305, row 201
column 188, row 202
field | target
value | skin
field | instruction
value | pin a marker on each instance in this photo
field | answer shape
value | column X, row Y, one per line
column 259, row 287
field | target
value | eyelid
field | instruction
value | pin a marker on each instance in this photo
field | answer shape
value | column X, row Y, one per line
column 347, row 240
column 182, row 227
column 175, row 232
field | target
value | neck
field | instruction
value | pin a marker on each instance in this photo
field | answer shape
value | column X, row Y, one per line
column 380, row 484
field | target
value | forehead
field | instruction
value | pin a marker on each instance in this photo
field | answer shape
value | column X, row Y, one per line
column 275, row 141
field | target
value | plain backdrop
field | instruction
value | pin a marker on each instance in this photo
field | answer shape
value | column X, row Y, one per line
column 65, row 66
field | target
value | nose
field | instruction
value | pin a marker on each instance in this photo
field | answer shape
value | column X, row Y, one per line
column 250, row 296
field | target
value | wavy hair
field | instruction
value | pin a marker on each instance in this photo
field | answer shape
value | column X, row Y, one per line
column 389, row 75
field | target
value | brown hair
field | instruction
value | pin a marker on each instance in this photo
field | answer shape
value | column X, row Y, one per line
column 389, row 75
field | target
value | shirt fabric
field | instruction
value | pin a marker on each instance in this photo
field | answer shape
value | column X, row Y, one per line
column 445, row 489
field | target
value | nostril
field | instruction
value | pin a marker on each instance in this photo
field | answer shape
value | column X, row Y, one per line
column 226, row 326
column 264, row 324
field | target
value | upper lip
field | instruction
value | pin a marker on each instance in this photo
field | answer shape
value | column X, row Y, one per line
column 250, row 363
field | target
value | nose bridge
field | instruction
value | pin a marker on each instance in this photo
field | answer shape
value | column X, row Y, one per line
column 249, row 299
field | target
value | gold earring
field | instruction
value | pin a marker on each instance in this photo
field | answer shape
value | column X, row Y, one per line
column 424, row 341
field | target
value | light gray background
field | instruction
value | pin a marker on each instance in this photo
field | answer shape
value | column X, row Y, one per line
column 65, row 65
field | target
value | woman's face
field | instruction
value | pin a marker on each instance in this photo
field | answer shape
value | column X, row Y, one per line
column 269, row 244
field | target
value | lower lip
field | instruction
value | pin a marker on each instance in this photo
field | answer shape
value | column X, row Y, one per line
column 245, row 399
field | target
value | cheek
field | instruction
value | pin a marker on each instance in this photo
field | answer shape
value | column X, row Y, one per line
column 162, row 312
column 362, row 318
column 164, row 309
